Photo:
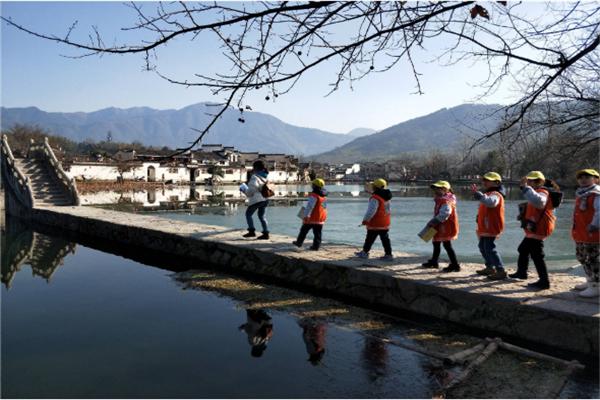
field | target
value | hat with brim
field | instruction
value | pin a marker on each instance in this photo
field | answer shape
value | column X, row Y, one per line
column 318, row 182
column 440, row 184
column 492, row 176
column 379, row 183
column 533, row 175
column 589, row 172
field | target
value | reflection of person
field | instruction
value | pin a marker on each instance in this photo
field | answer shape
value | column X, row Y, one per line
column 586, row 223
column 445, row 221
column 259, row 329
column 375, row 356
column 313, row 334
column 256, row 201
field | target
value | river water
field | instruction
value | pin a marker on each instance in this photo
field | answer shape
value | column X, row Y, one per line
column 81, row 319
column 412, row 207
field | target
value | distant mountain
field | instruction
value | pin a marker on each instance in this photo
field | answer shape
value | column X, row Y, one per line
column 445, row 129
column 260, row 132
column 358, row 132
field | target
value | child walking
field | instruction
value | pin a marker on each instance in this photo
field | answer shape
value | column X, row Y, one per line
column 256, row 200
column 490, row 223
column 445, row 221
column 377, row 220
column 315, row 214
column 538, row 223
column 585, row 232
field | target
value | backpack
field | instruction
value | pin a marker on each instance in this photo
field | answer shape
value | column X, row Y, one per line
column 267, row 190
column 555, row 198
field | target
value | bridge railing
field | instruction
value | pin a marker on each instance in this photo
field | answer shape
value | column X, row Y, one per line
column 19, row 183
column 44, row 151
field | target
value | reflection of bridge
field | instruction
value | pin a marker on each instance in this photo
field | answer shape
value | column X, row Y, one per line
column 22, row 246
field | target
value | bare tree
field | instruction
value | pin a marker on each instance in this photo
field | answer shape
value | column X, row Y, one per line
column 271, row 45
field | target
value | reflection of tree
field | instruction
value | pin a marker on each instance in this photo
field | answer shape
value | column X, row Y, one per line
column 21, row 246
column 374, row 357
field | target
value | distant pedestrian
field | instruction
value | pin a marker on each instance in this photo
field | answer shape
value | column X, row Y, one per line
column 315, row 215
column 538, row 220
column 256, row 200
column 490, row 223
column 585, row 232
column 377, row 219
column 445, row 221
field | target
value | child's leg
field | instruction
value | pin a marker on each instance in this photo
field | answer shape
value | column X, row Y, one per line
column 317, row 229
column 483, row 249
column 523, row 261
column 385, row 241
column 369, row 240
column 590, row 260
column 302, row 235
column 537, row 255
column 450, row 252
column 493, row 255
column 436, row 251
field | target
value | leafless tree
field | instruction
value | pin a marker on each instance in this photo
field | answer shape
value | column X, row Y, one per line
column 270, row 45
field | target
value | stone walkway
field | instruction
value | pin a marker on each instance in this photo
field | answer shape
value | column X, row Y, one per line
column 554, row 317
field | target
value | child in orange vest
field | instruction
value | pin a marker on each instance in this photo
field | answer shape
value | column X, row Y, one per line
column 377, row 220
column 585, row 232
column 445, row 221
column 490, row 223
column 315, row 214
column 538, row 223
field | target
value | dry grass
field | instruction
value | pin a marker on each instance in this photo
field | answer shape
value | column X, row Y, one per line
column 126, row 186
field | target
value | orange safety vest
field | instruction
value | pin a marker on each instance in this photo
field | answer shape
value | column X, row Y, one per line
column 544, row 218
column 382, row 218
column 490, row 220
column 319, row 212
column 581, row 220
column 447, row 230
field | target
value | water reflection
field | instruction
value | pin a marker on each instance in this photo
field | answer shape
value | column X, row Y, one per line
column 259, row 329
column 313, row 334
column 374, row 357
column 22, row 246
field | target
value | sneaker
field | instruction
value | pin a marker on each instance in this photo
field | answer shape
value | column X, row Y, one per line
column 592, row 291
column 451, row 268
column 264, row 236
column 486, row 271
column 361, row 254
column 430, row 264
column 387, row 257
column 518, row 275
column 250, row 234
column 581, row 286
column 497, row 275
column 295, row 243
column 539, row 285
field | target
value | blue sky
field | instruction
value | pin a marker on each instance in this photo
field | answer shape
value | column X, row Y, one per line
column 34, row 73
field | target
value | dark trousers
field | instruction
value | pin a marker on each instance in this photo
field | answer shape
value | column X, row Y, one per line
column 317, row 230
column 487, row 247
column 449, row 250
column 535, row 249
column 385, row 240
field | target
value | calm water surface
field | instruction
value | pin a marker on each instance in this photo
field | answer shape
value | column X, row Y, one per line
column 79, row 322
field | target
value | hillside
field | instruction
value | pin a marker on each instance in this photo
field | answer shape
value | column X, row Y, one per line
column 260, row 132
column 445, row 129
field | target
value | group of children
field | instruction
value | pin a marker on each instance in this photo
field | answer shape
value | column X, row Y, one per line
column 537, row 220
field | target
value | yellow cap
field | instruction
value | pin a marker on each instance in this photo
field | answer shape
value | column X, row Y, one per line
column 588, row 171
column 318, row 182
column 441, row 184
column 379, row 183
column 492, row 176
column 536, row 175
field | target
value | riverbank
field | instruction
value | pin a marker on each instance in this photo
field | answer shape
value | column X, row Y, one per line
column 556, row 317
